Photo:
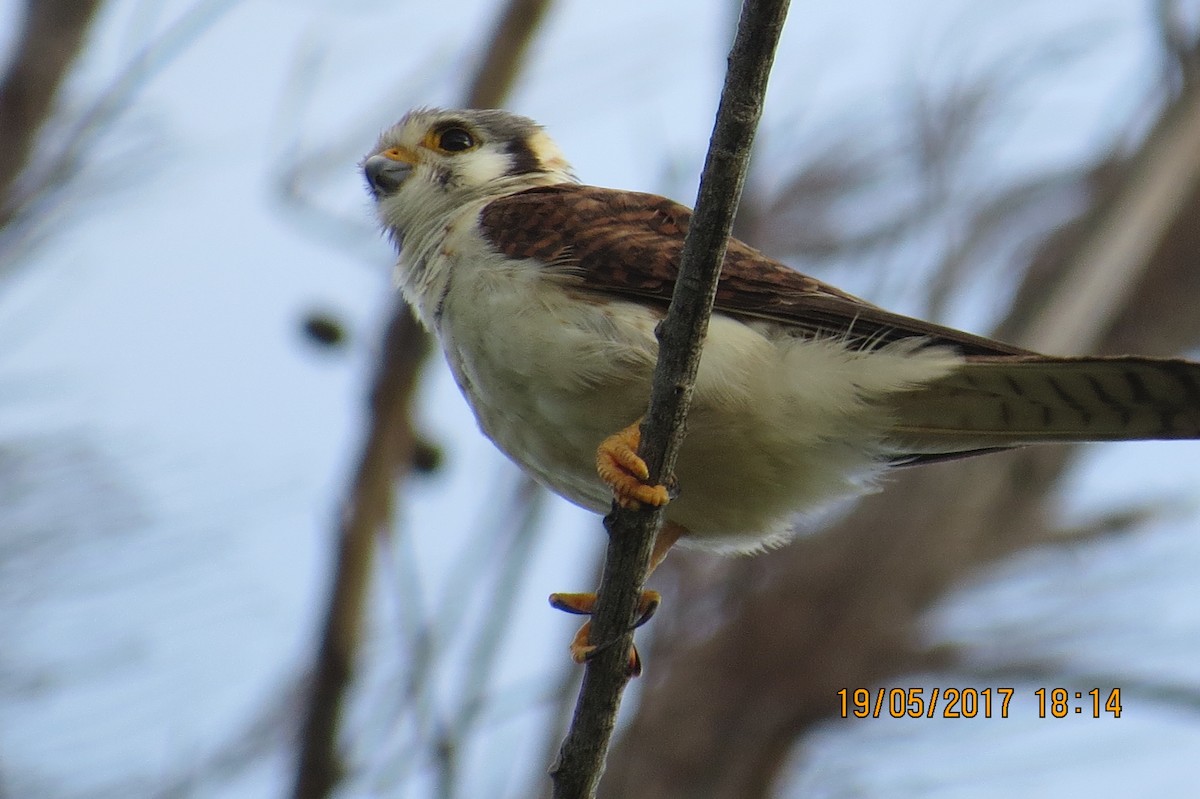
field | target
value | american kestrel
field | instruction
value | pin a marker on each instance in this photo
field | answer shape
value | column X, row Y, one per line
column 545, row 293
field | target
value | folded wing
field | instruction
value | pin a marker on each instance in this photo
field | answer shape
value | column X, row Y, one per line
column 628, row 245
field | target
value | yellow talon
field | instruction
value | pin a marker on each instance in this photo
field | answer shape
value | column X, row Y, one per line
column 581, row 647
column 584, row 604
column 619, row 465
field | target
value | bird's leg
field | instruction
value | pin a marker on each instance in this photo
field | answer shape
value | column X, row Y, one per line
column 619, row 465
column 583, row 603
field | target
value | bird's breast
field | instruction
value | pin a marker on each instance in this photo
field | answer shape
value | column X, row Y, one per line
column 547, row 376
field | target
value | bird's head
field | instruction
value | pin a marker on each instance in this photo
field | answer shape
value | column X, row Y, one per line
column 434, row 161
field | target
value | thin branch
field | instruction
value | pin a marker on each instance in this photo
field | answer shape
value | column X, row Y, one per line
column 388, row 449
column 1096, row 284
column 1179, row 43
column 37, row 191
column 511, row 36
column 576, row 773
column 51, row 37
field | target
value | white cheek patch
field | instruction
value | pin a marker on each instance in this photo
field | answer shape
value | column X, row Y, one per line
column 482, row 166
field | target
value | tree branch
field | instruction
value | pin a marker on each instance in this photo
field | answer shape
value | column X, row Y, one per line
column 1095, row 286
column 30, row 195
column 51, row 37
column 389, row 447
column 511, row 36
column 576, row 773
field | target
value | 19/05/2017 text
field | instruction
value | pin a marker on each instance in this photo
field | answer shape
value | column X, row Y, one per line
column 956, row 703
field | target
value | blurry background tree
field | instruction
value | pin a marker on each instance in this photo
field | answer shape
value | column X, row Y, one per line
column 173, row 450
column 49, row 41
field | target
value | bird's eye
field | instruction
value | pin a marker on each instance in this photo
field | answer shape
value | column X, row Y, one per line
column 455, row 140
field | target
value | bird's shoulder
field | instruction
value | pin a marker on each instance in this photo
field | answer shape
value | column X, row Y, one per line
column 629, row 244
column 627, row 239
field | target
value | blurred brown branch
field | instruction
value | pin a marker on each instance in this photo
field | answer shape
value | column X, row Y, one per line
column 31, row 184
column 842, row 609
column 1109, row 262
column 49, row 41
column 388, row 451
column 511, row 37
column 1180, row 45
column 387, row 454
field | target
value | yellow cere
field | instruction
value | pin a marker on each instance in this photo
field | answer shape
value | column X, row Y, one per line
column 402, row 154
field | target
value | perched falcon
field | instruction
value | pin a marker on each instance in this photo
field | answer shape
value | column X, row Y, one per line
column 545, row 293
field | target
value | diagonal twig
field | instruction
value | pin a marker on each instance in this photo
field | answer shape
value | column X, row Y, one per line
column 576, row 773
column 50, row 38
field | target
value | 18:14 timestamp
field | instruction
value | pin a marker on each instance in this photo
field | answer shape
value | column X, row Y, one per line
column 956, row 703
column 1059, row 703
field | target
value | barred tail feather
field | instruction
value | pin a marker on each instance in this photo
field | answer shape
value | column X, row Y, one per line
column 1005, row 401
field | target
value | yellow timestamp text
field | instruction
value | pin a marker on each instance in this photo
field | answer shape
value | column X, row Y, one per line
column 969, row 703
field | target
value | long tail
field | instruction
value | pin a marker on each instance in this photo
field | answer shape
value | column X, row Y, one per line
column 1005, row 401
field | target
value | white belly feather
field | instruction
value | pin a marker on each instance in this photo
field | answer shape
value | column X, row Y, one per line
column 778, row 424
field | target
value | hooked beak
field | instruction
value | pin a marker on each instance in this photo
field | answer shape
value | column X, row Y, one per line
column 387, row 171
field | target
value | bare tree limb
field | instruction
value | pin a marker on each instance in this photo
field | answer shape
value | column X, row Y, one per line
column 37, row 188
column 49, row 41
column 511, row 36
column 388, row 449
column 387, row 452
column 576, row 773
column 1179, row 44
column 1094, row 287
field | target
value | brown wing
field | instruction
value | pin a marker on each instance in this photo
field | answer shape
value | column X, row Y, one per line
column 629, row 244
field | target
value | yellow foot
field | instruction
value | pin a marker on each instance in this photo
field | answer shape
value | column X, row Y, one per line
column 618, row 464
column 585, row 603
column 582, row 651
column 582, row 604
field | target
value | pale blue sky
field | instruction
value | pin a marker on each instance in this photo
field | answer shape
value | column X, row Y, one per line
column 154, row 339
